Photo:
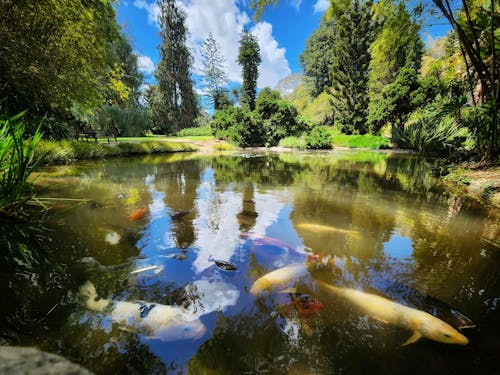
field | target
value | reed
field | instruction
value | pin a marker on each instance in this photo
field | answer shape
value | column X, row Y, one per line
column 17, row 162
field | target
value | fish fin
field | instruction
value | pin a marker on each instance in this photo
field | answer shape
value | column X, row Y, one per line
column 414, row 338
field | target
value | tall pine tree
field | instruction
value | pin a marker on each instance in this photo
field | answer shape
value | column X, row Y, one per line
column 215, row 77
column 249, row 59
column 349, row 73
column 176, row 106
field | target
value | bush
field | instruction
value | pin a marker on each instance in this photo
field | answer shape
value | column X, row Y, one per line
column 429, row 133
column 319, row 138
column 195, row 132
column 293, row 142
column 238, row 126
column 127, row 122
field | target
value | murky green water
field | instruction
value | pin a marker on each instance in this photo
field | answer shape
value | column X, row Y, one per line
column 396, row 234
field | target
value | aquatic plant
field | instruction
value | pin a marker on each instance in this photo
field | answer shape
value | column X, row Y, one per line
column 17, row 161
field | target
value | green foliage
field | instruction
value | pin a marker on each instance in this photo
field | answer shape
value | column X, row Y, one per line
column 319, row 138
column 238, row 126
column 361, row 141
column 67, row 150
column 215, row 78
column 56, row 53
column 272, row 120
column 17, row 161
column 173, row 103
column 430, row 133
column 396, row 58
column 124, row 122
column 197, row 131
column 249, row 59
column 293, row 142
column 318, row 56
column 349, row 72
column 395, row 101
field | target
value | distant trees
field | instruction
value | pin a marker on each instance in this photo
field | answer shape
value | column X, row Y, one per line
column 174, row 106
column 214, row 74
column 249, row 59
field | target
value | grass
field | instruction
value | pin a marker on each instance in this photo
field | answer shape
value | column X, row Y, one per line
column 360, row 141
column 60, row 152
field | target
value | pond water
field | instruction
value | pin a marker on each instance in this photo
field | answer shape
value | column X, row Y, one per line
column 152, row 228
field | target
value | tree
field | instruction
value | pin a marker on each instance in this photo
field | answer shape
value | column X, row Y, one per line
column 318, row 55
column 175, row 105
column 349, row 73
column 476, row 28
column 55, row 54
column 215, row 77
column 131, row 78
column 397, row 46
column 249, row 59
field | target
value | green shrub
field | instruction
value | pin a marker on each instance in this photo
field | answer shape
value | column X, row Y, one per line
column 319, row 138
column 293, row 142
column 194, row 132
column 238, row 126
column 127, row 122
column 430, row 133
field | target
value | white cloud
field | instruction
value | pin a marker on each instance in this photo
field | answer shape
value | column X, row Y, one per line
column 296, row 4
column 226, row 21
column 321, row 6
column 145, row 64
column 274, row 65
column 152, row 9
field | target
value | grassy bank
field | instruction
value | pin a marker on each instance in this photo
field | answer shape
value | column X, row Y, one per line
column 367, row 141
column 61, row 152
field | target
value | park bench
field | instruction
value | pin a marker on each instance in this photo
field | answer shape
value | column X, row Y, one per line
column 87, row 132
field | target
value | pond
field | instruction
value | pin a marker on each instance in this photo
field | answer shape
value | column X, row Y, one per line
column 151, row 230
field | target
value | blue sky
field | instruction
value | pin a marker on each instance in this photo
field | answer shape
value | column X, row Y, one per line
column 281, row 33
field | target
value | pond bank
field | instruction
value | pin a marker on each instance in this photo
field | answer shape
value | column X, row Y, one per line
column 66, row 151
column 480, row 184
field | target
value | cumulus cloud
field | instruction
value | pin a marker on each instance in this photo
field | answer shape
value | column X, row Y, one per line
column 321, row 6
column 274, row 64
column 145, row 64
column 225, row 20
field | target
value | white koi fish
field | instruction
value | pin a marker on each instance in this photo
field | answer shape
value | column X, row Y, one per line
column 318, row 228
column 382, row 309
column 281, row 278
column 167, row 323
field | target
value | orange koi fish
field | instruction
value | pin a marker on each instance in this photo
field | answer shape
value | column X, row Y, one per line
column 138, row 214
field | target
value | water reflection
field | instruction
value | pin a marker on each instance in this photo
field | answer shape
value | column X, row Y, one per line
column 390, row 229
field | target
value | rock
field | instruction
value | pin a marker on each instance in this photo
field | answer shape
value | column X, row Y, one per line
column 22, row 360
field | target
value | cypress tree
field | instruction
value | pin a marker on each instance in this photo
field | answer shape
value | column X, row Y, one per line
column 349, row 74
column 176, row 106
column 249, row 58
